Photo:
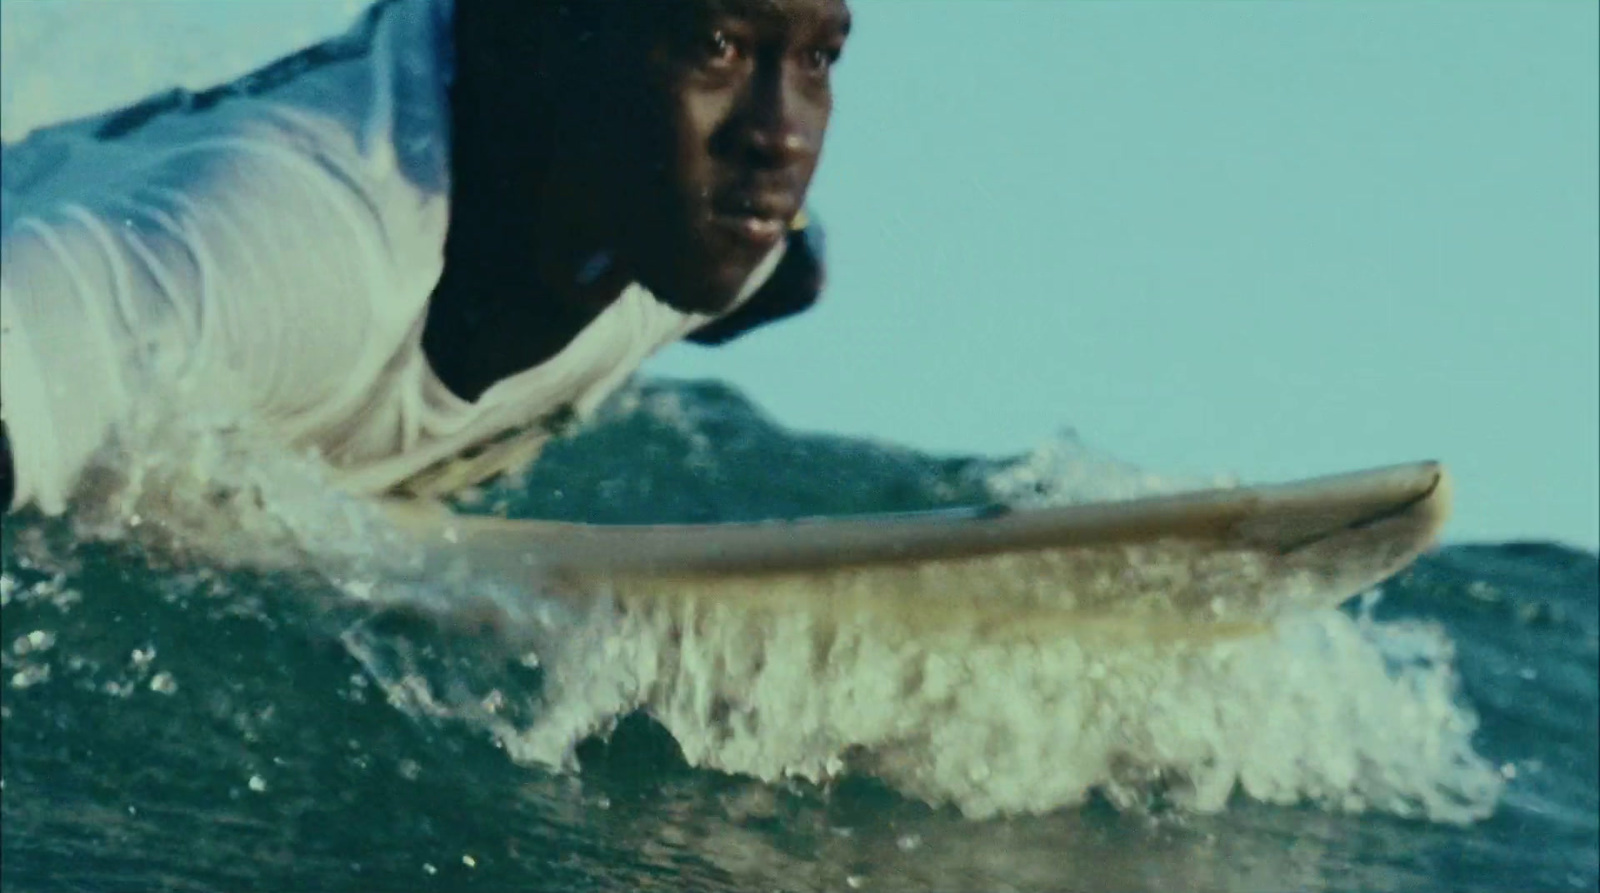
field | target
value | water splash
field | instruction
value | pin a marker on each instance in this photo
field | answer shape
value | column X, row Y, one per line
column 1329, row 709
column 1316, row 712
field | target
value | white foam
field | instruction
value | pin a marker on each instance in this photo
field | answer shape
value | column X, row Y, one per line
column 1314, row 713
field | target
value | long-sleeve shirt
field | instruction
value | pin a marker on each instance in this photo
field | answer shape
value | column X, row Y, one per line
column 269, row 248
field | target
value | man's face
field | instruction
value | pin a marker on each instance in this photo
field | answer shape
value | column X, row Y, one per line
column 738, row 94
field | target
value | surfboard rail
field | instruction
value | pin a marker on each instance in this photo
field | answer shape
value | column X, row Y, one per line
column 1275, row 517
column 1202, row 565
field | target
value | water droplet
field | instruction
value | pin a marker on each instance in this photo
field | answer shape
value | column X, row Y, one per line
column 493, row 701
column 30, row 675
column 38, row 640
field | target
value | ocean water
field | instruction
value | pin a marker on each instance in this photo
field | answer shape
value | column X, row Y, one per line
column 181, row 709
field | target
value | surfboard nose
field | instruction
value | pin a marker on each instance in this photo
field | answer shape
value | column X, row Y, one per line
column 1359, row 543
column 1288, row 519
column 1440, row 502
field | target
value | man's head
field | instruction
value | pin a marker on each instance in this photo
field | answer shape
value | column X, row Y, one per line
column 696, row 128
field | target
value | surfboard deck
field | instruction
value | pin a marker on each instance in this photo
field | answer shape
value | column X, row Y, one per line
column 1205, row 564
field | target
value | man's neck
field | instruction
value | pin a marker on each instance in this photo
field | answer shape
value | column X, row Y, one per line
column 518, row 284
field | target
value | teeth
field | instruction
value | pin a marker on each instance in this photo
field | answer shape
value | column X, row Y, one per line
column 763, row 226
column 758, row 227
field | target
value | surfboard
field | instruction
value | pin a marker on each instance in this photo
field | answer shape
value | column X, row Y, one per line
column 1200, row 565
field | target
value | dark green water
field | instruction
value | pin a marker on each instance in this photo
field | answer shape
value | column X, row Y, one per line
column 168, row 726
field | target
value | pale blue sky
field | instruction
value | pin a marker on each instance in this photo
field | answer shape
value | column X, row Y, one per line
column 1270, row 239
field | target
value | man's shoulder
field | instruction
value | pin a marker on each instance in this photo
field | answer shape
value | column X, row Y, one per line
column 381, row 84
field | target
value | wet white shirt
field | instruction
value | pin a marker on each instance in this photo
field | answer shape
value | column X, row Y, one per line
column 269, row 248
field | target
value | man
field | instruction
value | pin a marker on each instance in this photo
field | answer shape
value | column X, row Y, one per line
column 419, row 249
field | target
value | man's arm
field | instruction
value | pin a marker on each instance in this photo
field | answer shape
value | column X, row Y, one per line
column 794, row 286
column 257, row 249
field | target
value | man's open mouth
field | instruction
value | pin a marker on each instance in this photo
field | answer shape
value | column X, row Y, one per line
column 758, row 220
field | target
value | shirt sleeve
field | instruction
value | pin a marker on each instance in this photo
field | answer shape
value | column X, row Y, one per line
column 240, row 253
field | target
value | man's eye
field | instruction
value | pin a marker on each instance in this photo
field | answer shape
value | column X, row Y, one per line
column 721, row 50
column 824, row 58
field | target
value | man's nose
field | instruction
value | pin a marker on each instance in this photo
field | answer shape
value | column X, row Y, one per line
column 775, row 129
